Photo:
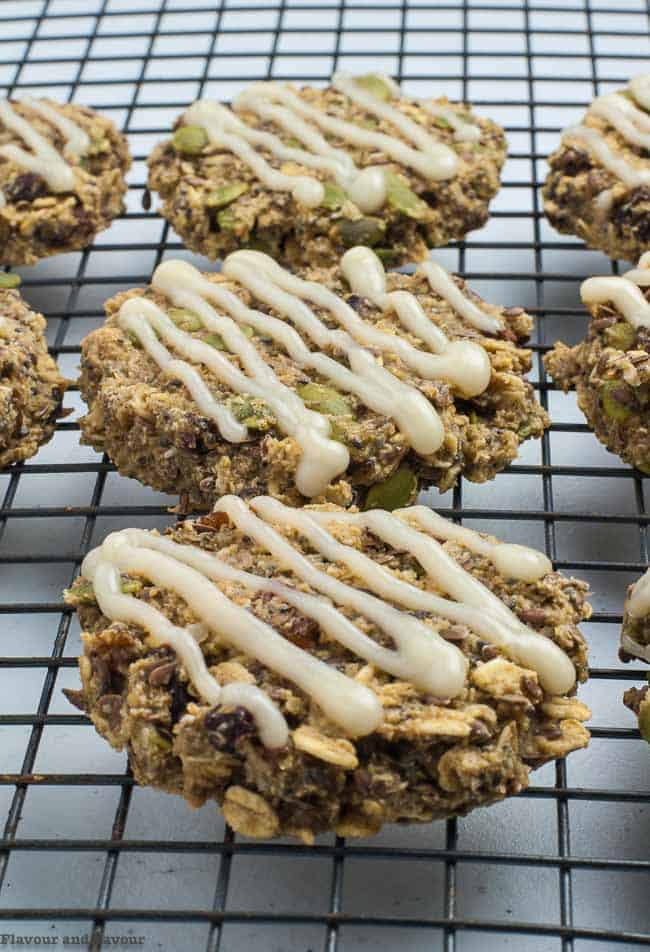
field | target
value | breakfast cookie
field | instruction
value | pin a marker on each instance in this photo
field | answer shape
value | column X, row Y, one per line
column 635, row 643
column 303, row 174
column 319, row 669
column 62, row 170
column 331, row 386
column 598, row 187
column 31, row 387
column 610, row 369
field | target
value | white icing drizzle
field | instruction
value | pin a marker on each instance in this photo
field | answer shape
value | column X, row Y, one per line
column 603, row 204
column 182, row 570
column 474, row 604
column 77, row 140
column 640, row 88
column 637, row 606
column 463, row 131
column 420, row 655
column 278, row 103
column 44, row 159
column 463, row 363
column 509, row 559
column 641, row 274
column 629, row 174
column 224, row 129
column 623, row 292
column 632, row 123
column 435, row 160
column 322, row 459
column 638, row 603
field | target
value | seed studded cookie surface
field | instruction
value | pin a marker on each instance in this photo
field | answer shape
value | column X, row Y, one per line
column 598, row 187
column 303, row 692
column 332, row 385
column 303, row 174
column 610, row 369
column 31, row 387
column 61, row 178
column 635, row 643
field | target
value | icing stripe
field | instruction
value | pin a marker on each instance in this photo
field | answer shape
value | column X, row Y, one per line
column 474, row 604
column 623, row 292
column 420, row 655
column 640, row 89
column 632, row 123
column 638, row 603
column 322, row 459
column 463, row 131
column 44, row 159
column 280, row 105
column 463, row 363
column 629, row 174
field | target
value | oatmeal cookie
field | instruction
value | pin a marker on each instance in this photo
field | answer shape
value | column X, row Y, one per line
column 610, row 369
column 330, row 386
column 635, row 643
column 62, row 170
column 303, row 174
column 598, row 186
column 31, row 387
column 323, row 669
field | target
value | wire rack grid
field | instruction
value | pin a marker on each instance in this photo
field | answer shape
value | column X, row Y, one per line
column 86, row 857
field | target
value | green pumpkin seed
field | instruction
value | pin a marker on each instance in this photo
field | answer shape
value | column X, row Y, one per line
column 8, row 279
column 375, row 85
column 365, row 231
column 400, row 197
column 131, row 586
column 610, row 397
column 164, row 745
column 255, row 417
column 620, row 335
column 442, row 123
column 226, row 194
column 324, row 399
column 334, row 196
column 393, row 493
column 83, row 591
column 227, row 220
column 185, row 319
column 217, row 341
column 190, row 140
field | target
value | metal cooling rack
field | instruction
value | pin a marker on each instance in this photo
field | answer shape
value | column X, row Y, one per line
column 87, row 854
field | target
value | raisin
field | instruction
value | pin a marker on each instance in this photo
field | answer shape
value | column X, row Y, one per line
column 180, row 699
column 226, row 729
column 25, row 188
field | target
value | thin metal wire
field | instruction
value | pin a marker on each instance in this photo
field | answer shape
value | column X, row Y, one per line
column 102, row 22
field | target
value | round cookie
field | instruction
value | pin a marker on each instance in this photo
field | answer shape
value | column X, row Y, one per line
column 343, row 383
column 635, row 643
column 319, row 669
column 31, row 387
column 610, row 369
column 62, row 170
column 598, row 186
column 303, row 174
